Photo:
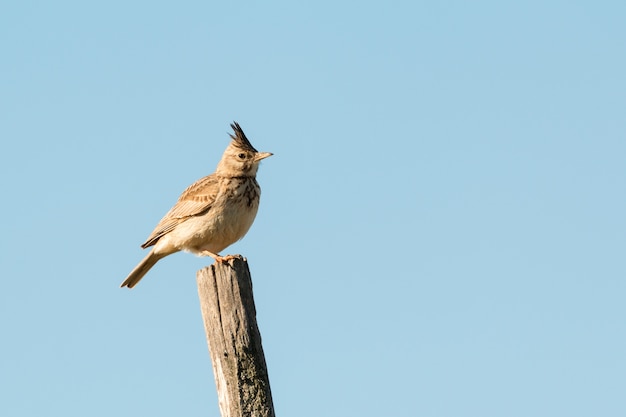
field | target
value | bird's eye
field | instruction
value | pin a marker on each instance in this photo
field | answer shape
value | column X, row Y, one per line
column 242, row 156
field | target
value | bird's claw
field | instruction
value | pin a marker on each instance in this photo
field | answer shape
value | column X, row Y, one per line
column 218, row 258
column 225, row 259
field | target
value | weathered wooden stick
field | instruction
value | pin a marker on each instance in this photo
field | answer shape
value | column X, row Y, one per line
column 227, row 304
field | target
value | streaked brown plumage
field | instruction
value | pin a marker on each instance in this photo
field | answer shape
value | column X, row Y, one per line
column 211, row 213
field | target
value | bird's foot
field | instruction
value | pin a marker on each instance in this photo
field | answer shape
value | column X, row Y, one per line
column 224, row 259
column 218, row 258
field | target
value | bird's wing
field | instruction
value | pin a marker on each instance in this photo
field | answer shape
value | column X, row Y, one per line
column 196, row 199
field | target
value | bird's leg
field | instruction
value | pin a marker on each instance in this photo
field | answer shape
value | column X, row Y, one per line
column 211, row 254
column 217, row 257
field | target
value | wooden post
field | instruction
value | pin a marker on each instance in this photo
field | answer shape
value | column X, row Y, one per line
column 229, row 315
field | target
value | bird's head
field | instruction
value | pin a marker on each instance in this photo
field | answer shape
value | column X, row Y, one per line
column 240, row 158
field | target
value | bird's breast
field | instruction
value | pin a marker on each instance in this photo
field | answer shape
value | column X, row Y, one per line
column 228, row 220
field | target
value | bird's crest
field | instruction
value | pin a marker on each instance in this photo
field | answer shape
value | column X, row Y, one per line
column 239, row 139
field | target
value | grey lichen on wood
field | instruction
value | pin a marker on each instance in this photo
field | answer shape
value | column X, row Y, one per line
column 234, row 340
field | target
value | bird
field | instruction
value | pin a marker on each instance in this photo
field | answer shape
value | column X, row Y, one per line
column 212, row 213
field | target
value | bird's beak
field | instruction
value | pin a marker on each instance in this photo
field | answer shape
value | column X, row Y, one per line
column 262, row 155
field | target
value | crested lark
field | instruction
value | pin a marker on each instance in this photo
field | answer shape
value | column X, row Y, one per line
column 211, row 213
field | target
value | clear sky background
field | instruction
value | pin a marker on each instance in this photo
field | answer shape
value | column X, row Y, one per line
column 442, row 230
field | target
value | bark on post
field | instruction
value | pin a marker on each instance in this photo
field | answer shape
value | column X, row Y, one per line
column 229, row 315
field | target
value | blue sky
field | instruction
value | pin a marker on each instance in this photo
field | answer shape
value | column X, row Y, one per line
column 441, row 231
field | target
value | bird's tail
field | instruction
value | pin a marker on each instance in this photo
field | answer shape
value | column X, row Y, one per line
column 140, row 270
